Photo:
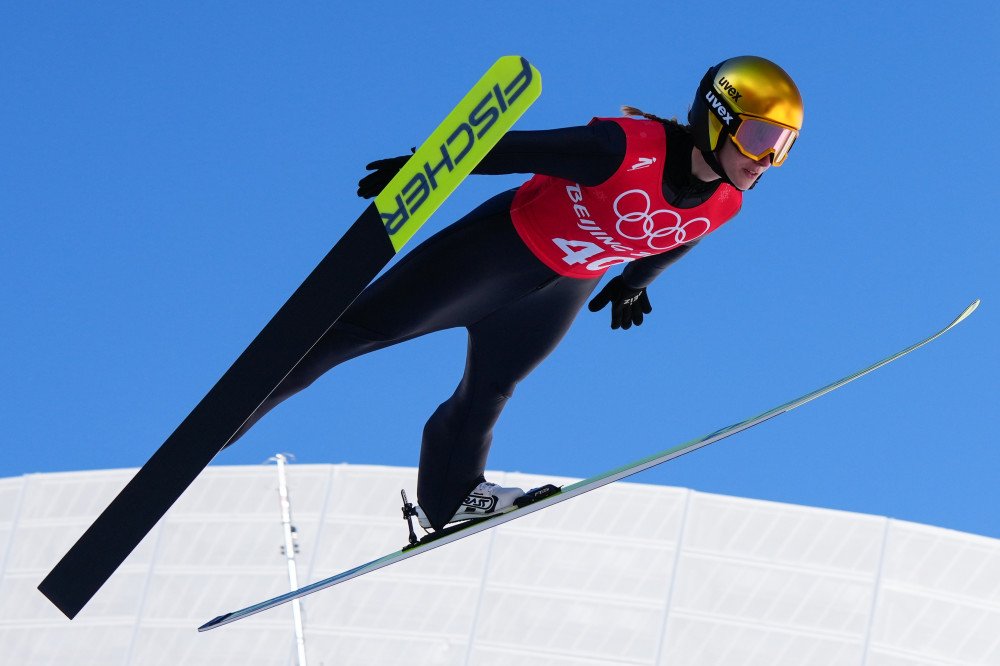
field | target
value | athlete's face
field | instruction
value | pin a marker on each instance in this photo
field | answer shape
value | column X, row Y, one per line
column 742, row 170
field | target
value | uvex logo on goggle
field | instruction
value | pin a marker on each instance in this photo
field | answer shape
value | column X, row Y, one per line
column 719, row 107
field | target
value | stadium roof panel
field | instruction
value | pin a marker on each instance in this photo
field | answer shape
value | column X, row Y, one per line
column 629, row 574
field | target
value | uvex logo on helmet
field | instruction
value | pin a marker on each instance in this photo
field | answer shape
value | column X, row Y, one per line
column 719, row 107
column 730, row 89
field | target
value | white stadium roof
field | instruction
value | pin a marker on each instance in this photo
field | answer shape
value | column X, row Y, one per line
column 629, row 574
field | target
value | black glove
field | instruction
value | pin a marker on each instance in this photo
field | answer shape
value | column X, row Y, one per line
column 628, row 305
column 383, row 171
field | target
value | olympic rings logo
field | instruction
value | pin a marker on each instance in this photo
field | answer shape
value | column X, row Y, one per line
column 641, row 225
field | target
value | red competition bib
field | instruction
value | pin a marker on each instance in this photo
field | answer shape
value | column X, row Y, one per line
column 582, row 231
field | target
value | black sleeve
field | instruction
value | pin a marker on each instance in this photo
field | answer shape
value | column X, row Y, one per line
column 641, row 272
column 586, row 155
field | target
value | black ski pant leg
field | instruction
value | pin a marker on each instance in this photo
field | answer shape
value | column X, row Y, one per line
column 341, row 343
column 453, row 279
column 504, row 347
column 477, row 274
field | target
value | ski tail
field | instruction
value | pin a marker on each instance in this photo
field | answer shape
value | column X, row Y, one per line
column 458, row 144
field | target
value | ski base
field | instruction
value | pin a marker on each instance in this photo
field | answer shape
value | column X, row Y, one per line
column 549, row 495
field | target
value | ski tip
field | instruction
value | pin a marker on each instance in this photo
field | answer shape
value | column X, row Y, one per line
column 969, row 310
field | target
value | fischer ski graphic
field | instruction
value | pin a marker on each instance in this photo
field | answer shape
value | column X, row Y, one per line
column 467, row 134
column 545, row 496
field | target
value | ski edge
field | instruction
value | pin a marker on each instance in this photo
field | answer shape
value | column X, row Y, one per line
column 575, row 489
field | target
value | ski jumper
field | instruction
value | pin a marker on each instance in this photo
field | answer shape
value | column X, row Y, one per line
column 493, row 275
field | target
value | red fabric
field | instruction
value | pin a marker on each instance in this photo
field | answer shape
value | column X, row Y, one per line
column 582, row 231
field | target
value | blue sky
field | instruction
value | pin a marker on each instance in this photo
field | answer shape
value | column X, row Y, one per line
column 172, row 171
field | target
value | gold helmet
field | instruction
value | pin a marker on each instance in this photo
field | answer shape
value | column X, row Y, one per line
column 752, row 101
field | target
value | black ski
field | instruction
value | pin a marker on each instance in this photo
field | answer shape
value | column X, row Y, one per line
column 434, row 171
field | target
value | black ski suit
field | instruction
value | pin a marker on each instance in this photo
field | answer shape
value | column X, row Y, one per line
column 478, row 274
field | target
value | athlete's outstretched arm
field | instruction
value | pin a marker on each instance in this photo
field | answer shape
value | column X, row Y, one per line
column 640, row 273
column 626, row 293
column 586, row 155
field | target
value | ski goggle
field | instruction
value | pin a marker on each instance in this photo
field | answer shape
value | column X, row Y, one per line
column 757, row 138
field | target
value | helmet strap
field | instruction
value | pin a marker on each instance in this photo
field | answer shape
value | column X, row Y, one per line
column 713, row 161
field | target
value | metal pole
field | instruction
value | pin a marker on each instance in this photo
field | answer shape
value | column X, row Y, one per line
column 290, row 548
